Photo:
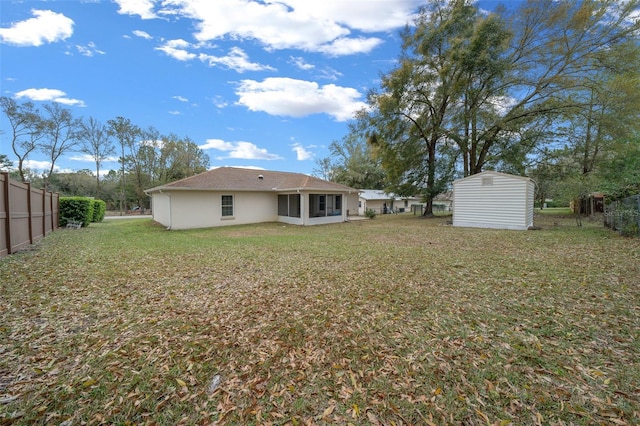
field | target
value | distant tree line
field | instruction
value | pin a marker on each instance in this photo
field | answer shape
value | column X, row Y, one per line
column 547, row 89
column 146, row 157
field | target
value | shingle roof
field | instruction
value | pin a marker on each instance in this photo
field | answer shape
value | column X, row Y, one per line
column 238, row 179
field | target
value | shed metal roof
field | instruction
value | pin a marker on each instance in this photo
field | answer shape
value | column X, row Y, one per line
column 492, row 173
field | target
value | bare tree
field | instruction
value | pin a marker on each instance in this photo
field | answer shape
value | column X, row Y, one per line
column 97, row 144
column 126, row 133
column 62, row 133
column 26, row 129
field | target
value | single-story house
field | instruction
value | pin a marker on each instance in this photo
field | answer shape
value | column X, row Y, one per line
column 442, row 202
column 235, row 196
column 493, row 200
column 376, row 200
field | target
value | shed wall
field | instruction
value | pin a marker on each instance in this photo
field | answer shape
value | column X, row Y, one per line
column 505, row 204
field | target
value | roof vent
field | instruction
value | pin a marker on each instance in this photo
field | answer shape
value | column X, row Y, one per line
column 260, row 177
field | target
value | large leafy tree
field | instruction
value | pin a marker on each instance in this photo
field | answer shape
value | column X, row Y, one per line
column 608, row 106
column 619, row 173
column 180, row 158
column 412, row 115
column 555, row 49
column 141, row 162
column 494, row 86
column 352, row 163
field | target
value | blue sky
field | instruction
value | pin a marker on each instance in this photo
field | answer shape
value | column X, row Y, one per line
column 267, row 84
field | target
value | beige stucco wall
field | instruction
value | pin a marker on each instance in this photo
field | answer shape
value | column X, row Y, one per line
column 160, row 208
column 352, row 204
column 203, row 209
column 376, row 205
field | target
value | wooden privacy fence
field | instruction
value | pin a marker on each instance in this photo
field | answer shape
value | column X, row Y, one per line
column 26, row 214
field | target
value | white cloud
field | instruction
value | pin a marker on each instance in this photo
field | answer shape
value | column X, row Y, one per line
column 89, row 50
column 142, row 34
column 329, row 74
column 371, row 17
column 348, row 46
column 239, row 150
column 53, row 95
column 301, row 63
column 237, row 60
column 298, row 98
column 177, row 50
column 180, row 98
column 502, row 104
column 324, row 26
column 219, row 102
column 39, row 165
column 175, row 113
column 46, row 26
column 86, row 158
column 301, row 153
column 142, row 8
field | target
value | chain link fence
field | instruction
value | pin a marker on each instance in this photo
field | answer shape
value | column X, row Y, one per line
column 624, row 216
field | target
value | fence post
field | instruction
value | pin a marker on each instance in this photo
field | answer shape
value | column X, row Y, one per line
column 44, row 214
column 7, row 199
column 638, row 215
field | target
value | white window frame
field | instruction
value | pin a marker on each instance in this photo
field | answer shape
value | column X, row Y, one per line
column 224, row 207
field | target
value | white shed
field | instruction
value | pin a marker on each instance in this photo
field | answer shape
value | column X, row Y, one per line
column 493, row 200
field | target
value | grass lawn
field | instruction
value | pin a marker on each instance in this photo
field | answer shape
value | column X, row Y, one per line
column 397, row 320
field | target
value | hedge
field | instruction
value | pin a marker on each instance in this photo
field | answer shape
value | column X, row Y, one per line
column 81, row 209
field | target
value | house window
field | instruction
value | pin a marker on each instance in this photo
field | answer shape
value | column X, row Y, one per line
column 227, row 205
column 338, row 203
column 321, row 203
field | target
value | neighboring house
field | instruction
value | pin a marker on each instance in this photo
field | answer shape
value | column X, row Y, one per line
column 442, row 202
column 234, row 196
column 374, row 199
column 493, row 200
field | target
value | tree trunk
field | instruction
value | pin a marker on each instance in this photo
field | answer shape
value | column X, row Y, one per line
column 428, row 208
column 431, row 177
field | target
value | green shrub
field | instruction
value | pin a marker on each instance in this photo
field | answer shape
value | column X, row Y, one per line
column 370, row 213
column 76, row 208
column 99, row 209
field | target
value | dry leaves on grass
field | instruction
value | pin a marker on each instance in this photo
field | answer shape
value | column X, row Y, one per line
column 392, row 321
